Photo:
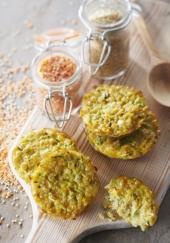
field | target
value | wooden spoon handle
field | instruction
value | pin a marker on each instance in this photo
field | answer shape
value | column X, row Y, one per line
column 147, row 39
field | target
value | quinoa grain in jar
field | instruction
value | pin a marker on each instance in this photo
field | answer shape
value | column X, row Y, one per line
column 57, row 74
column 106, row 47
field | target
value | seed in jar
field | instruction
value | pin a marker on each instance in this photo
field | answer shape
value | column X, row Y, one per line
column 118, row 59
column 57, row 68
column 106, row 16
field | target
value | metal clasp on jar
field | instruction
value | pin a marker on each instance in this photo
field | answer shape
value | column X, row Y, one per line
column 67, row 108
column 104, row 53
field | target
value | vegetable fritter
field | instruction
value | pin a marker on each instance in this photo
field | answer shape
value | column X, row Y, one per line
column 132, row 201
column 131, row 146
column 113, row 110
column 64, row 184
column 28, row 154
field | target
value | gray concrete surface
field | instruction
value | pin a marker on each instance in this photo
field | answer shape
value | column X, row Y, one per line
column 15, row 35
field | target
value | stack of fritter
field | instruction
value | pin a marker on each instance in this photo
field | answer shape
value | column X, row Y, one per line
column 118, row 122
column 63, row 181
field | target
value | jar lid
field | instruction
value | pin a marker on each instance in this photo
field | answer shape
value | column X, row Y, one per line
column 60, row 35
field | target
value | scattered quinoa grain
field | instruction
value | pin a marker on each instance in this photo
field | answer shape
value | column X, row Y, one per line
column 8, row 225
column 14, row 221
column 10, row 123
column 20, row 224
column 1, row 220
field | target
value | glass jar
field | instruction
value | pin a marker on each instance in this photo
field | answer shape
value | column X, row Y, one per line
column 106, row 47
column 58, row 99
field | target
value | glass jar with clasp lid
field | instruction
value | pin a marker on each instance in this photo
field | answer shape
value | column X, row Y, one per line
column 59, row 80
column 106, row 47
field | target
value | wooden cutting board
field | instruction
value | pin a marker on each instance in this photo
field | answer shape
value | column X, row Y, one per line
column 153, row 169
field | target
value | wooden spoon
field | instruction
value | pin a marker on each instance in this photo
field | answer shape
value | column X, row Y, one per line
column 159, row 76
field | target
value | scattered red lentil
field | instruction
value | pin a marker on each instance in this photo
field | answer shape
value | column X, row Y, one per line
column 5, row 194
column 29, row 24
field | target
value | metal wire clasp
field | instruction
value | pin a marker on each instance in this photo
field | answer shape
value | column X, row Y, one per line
column 59, row 120
column 104, row 53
